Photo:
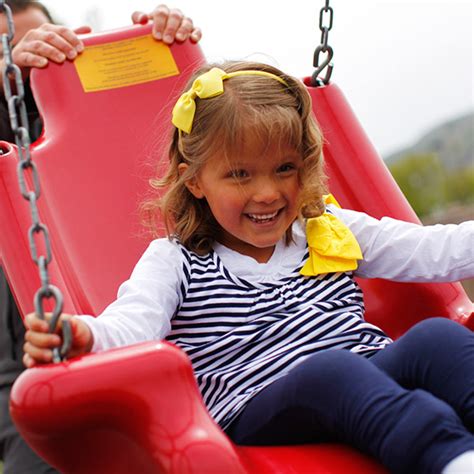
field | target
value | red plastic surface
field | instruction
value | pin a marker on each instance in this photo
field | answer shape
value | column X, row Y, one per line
column 137, row 409
column 95, row 157
column 360, row 180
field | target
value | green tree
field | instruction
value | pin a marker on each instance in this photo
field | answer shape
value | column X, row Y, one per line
column 460, row 186
column 423, row 180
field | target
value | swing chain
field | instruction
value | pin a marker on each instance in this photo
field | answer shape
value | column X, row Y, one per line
column 326, row 13
column 20, row 128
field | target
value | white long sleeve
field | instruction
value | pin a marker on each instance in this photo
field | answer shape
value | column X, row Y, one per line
column 145, row 303
column 392, row 249
column 403, row 251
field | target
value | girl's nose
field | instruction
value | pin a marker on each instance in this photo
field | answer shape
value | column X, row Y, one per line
column 266, row 192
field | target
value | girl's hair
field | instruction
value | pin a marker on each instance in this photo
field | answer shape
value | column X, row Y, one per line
column 253, row 104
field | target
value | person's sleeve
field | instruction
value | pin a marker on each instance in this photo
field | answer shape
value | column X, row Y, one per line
column 34, row 121
column 6, row 133
column 403, row 251
column 145, row 303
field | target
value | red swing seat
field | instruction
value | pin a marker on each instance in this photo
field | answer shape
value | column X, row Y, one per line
column 138, row 408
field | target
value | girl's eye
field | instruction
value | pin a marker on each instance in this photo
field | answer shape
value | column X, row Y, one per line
column 286, row 168
column 238, row 174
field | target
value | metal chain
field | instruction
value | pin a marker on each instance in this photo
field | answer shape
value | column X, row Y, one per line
column 326, row 13
column 20, row 128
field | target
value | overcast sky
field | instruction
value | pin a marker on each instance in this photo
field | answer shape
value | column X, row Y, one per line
column 405, row 66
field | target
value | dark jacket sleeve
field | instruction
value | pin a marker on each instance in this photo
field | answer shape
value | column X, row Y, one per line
column 11, row 325
column 12, row 333
column 34, row 119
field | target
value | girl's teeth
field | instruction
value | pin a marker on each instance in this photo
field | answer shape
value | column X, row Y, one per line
column 262, row 217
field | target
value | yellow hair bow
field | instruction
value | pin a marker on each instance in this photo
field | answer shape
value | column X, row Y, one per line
column 207, row 85
column 332, row 246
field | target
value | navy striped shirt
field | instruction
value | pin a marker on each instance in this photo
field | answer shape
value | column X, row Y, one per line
column 242, row 336
column 245, row 324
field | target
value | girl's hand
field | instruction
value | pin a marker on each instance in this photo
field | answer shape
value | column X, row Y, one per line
column 169, row 25
column 48, row 43
column 39, row 344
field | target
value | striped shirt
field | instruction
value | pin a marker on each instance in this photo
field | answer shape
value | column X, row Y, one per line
column 242, row 336
column 244, row 324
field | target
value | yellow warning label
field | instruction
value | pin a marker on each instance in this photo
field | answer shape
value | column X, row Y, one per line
column 124, row 63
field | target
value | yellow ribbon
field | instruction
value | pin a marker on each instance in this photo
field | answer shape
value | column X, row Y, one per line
column 207, row 85
column 332, row 246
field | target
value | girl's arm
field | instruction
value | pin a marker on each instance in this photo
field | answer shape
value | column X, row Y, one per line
column 39, row 343
column 145, row 303
column 142, row 311
column 403, row 251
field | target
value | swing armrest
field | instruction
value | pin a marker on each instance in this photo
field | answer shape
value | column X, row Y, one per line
column 138, row 409
column 133, row 409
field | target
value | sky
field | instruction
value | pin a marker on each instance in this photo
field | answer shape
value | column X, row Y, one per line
column 405, row 66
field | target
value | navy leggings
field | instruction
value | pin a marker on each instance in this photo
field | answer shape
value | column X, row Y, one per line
column 411, row 405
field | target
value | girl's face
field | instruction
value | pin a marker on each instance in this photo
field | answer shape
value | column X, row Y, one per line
column 252, row 196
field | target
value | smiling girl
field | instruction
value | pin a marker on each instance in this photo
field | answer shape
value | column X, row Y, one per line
column 255, row 282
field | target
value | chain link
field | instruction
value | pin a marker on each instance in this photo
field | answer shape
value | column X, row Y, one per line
column 20, row 128
column 325, row 25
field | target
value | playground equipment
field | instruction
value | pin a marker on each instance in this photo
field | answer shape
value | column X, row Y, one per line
column 138, row 408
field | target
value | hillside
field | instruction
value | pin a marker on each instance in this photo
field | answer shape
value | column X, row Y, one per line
column 452, row 141
column 436, row 175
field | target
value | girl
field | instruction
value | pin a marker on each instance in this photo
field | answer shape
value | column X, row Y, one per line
column 255, row 283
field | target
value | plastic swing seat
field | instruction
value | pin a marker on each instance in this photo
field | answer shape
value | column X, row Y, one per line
column 138, row 408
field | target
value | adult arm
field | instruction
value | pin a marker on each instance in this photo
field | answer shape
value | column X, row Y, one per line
column 169, row 24
column 57, row 43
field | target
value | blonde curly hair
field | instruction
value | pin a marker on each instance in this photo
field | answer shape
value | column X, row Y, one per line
column 272, row 111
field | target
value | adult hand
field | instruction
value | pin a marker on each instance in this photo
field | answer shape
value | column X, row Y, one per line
column 39, row 343
column 169, row 24
column 48, row 43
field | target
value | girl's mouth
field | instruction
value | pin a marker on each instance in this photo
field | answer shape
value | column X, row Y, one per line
column 263, row 218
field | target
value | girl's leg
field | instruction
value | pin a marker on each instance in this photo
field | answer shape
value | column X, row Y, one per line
column 436, row 355
column 340, row 396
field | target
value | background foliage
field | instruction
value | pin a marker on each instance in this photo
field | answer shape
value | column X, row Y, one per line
column 429, row 186
column 436, row 175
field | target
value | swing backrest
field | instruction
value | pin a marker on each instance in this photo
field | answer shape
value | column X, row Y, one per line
column 361, row 181
column 96, row 154
column 99, row 149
